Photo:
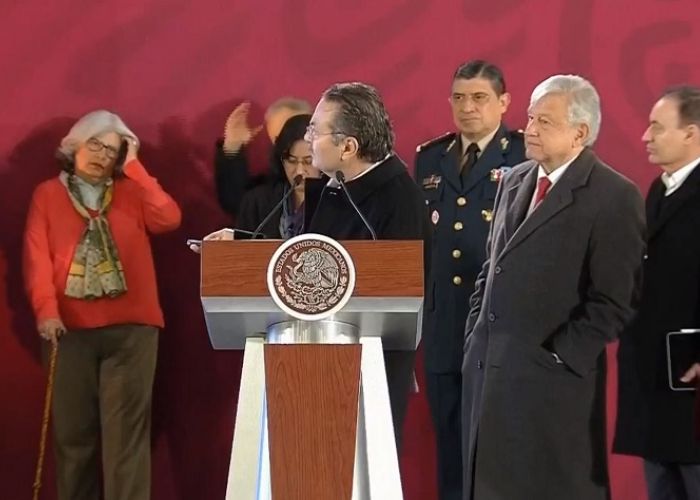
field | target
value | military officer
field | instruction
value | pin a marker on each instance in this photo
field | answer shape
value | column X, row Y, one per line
column 458, row 174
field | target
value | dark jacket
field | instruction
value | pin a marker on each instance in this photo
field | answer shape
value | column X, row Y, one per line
column 563, row 279
column 387, row 197
column 231, row 178
column 653, row 421
column 250, row 200
column 256, row 204
column 393, row 206
column 457, row 254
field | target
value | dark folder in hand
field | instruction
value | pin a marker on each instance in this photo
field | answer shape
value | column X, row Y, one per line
column 682, row 350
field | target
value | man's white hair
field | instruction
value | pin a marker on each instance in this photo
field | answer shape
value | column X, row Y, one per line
column 294, row 104
column 584, row 101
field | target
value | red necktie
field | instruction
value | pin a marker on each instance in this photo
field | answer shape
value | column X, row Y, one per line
column 543, row 186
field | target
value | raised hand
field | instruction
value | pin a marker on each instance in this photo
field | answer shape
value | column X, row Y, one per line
column 237, row 132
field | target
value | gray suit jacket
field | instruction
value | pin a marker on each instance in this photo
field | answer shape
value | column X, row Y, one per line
column 563, row 279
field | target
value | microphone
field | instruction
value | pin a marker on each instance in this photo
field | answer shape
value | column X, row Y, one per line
column 340, row 177
column 295, row 182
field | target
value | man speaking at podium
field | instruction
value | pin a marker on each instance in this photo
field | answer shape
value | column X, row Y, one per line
column 370, row 194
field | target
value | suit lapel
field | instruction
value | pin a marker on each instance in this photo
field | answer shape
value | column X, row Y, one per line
column 687, row 190
column 449, row 164
column 518, row 200
column 653, row 201
column 560, row 197
column 491, row 158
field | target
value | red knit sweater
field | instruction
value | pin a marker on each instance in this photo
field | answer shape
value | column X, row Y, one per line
column 54, row 229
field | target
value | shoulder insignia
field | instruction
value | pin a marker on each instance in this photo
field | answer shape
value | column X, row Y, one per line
column 516, row 137
column 433, row 141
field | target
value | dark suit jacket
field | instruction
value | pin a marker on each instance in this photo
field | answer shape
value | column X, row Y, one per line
column 387, row 197
column 250, row 200
column 565, row 277
column 256, row 204
column 394, row 207
column 437, row 174
column 652, row 421
column 231, row 178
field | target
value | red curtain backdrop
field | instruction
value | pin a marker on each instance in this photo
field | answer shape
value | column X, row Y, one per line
column 173, row 69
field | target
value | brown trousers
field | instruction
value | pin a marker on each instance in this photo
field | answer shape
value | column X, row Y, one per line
column 103, row 388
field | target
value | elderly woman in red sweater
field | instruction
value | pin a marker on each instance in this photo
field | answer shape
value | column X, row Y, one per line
column 90, row 277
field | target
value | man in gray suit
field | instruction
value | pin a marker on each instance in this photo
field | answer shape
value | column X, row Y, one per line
column 560, row 279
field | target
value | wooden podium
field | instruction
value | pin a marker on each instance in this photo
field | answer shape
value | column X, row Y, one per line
column 313, row 418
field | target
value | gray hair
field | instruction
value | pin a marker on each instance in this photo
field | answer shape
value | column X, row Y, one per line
column 584, row 101
column 91, row 125
column 687, row 98
column 361, row 114
column 294, row 104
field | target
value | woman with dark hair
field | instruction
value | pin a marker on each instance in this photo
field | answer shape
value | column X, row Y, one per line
column 90, row 277
column 291, row 157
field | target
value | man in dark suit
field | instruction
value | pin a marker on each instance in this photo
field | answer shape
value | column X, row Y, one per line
column 459, row 173
column 350, row 132
column 654, row 422
column 563, row 267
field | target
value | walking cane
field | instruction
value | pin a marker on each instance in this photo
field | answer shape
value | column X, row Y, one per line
column 45, row 420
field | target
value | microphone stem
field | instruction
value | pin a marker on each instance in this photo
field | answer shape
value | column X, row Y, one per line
column 340, row 177
column 290, row 191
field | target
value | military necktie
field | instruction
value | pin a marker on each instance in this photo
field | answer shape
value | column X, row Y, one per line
column 469, row 159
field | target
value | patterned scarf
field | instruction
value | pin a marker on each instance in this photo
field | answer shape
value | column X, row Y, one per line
column 96, row 270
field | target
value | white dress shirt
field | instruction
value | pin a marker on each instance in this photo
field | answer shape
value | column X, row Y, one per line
column 334, row 183
column 675, row 180
column 482, row 144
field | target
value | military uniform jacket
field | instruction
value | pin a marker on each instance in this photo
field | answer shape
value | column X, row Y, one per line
column 460, row 210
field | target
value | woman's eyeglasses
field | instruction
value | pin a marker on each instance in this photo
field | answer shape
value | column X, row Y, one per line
column 306, row 161
column 95, row 145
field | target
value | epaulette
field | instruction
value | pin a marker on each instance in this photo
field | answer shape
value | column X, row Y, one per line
column 512, row 135
column 435, row 140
